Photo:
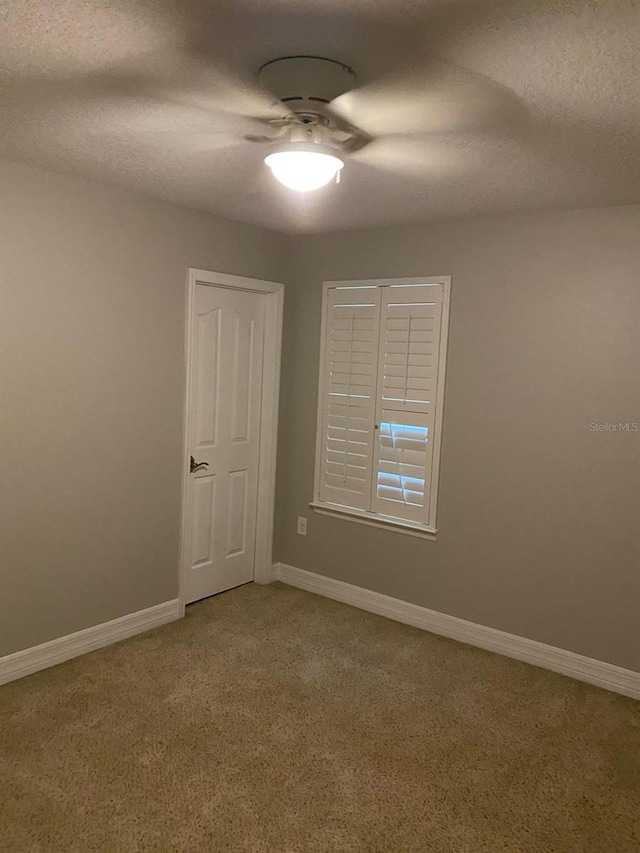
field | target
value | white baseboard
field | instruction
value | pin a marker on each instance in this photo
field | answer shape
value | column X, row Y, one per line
column 596, row 672
column 31, row 660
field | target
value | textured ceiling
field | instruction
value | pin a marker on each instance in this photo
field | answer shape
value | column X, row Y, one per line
column 475, row 106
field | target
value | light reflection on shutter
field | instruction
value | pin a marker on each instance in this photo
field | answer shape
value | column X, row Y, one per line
column 402, row 462
column 403, row 455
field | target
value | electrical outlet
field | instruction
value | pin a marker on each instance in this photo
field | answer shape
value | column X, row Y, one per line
column 302, row 525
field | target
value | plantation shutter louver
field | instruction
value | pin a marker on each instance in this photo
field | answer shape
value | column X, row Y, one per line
column 351, row 355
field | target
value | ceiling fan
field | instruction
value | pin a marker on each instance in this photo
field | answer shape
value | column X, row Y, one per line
column 319, row 116
column 310, row 136
column 310, row 111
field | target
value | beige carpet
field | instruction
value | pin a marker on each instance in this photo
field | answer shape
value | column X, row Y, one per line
column 274, row 720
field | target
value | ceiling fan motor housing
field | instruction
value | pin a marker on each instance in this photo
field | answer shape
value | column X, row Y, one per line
column 306, row 84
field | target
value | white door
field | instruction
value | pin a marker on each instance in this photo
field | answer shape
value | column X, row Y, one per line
column 224, row 438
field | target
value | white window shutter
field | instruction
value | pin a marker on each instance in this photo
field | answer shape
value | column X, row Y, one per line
column 409, row 347
column 408, row 370
column 348, row 400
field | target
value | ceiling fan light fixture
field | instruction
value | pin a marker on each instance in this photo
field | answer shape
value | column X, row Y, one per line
column 304, row 171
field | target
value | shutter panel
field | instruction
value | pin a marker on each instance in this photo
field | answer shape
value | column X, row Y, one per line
column 349, row 396
column 409, row 347
column 411, row 317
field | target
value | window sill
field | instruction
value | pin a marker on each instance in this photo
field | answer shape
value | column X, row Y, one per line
column 391, row 524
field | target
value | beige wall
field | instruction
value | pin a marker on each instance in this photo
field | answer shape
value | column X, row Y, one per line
column 539, row 515
column 92, row 314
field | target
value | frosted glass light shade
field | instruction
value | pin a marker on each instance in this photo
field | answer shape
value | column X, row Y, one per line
column 303, row 170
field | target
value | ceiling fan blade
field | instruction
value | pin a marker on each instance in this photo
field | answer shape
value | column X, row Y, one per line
column 185, row 79
column 101, row 109
column 173, row 79
column 435, row 98
column 438, row 157
column 167, row 122
column 256, row 137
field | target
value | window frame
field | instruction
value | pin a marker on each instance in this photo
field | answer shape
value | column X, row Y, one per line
column 428, row 529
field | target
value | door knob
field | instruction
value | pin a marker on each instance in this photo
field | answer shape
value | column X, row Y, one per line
column 195, row 466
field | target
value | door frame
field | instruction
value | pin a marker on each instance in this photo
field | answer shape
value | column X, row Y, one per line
column 273, row 318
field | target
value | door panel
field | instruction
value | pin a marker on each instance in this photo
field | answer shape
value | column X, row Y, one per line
column 206, row 370
column 242, row 378
column 226, row 383
column 236, row 512
column 202, row 532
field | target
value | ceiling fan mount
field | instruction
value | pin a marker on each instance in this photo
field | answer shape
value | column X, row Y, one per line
column 306, row 84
